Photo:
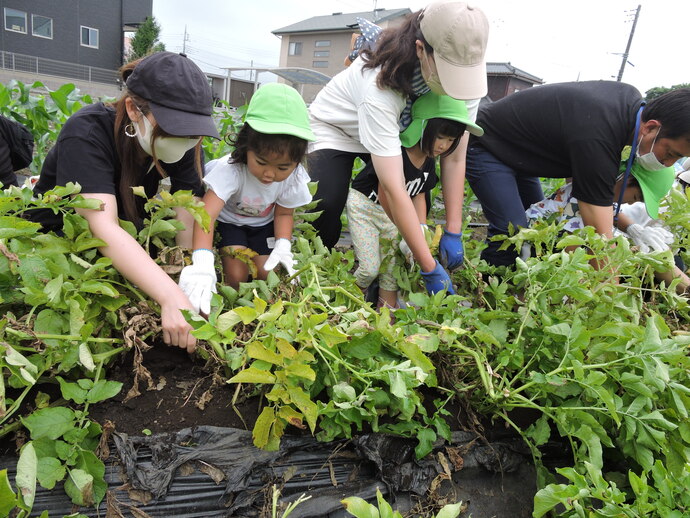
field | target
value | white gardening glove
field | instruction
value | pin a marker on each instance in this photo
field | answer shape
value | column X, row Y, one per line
column 647, row 238
column 198, row 280
column 405, row 249
column 281, row 254
column 665, row 235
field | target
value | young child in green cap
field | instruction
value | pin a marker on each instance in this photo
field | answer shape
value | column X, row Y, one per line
column 252, row 193
column 438, row 122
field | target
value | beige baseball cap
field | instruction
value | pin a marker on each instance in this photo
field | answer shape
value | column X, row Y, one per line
column 458, row 32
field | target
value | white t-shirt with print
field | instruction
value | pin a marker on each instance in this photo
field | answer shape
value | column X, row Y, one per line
column 351, row 113
column 247, row 200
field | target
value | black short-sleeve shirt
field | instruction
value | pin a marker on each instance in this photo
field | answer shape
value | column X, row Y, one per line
column 564, row 130
column 417, row 180
column 85, row 153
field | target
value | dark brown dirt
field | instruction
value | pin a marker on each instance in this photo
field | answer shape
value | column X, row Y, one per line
column 183, row 393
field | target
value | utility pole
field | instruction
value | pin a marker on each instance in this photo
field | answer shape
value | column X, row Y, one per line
column 184, row 41
column 627, row 48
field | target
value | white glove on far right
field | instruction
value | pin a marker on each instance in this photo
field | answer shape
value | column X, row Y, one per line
column 198, row 280
column 650, row 239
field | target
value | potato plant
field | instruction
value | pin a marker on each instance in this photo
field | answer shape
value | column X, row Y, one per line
column 600, row 356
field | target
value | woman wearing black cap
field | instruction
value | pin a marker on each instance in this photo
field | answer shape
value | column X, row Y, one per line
column 154, row 130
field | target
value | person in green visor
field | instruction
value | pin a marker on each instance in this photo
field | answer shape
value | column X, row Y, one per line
column 649, row 187
column 252, row 194
column 438, row 122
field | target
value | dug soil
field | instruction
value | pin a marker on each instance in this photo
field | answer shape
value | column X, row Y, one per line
column 180, row 393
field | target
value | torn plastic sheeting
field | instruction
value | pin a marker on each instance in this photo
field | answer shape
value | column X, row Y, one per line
column 169, row 467
column 302, row 463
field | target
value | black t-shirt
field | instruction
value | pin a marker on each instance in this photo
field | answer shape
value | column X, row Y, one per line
column 416, row 180
column 564, row 130
column 85, row 153
column 7, row 176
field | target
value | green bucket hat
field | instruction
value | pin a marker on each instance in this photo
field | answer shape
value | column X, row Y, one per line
column 654, row 185
column 433, row 106
column 277, row 108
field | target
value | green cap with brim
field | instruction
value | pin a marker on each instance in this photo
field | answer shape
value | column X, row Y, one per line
column 433, row 106
column 278, row 109
column 654, row 185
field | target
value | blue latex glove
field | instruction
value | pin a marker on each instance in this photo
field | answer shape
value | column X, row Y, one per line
column 437, row 280
column 450, row 250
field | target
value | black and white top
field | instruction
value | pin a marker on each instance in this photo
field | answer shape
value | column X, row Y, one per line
column 417, row 180
column 85, row 153
column 564, row 130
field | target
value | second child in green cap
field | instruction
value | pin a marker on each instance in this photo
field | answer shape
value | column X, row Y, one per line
column 438, row 122
column 252, row 193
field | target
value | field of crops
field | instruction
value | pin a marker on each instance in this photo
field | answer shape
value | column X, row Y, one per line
column 602, row 366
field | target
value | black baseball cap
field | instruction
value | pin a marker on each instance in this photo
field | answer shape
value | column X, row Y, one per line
column 178, row 94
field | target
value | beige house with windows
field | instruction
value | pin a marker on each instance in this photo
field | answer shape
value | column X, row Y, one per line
column 321, row 43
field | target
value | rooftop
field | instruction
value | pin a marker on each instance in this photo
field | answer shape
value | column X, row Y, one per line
column 506, row 69
column 341, row 21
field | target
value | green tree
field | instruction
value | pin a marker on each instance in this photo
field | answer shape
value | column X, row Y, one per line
column 658, row 91
column 145, row 40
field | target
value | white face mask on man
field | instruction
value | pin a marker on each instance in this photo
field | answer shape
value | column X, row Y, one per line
column 649, row 161
column 168, row 149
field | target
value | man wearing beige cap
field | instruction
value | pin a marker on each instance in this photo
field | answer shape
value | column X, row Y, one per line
column 362, row 110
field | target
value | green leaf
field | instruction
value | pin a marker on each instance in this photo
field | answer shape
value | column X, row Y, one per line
column 34, row 272
column 360, row 508
column 450, row 511
column 49, row 322
column 301, row 371
column 364, row 347
column 103, row 390
column 26, row 474
column 50, row 471
column 72, row 391
column 301, row 399
column 540, row 431
column 426, row 438
column 252, row 375
column 8, row 500
column 79, row 487
column 49, row 423
column 246, row 314
column 262, row 427
column 227, row 321
column 257, row 351
column 549, row 497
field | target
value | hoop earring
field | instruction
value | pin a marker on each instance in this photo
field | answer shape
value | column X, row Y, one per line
column 130, row 130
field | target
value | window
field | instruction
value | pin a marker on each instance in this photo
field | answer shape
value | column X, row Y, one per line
column 322, row 43
column 319, row 64
column 322, row 53
column 42, row 26
column 89, row 37
column 15, row 20
column 295, row 49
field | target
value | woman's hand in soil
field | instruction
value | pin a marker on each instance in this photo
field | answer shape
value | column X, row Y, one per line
column 176, row 330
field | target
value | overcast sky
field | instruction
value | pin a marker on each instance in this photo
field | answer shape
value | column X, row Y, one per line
column 551, row 39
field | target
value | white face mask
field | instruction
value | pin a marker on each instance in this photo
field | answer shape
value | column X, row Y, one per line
column 433, row 81
column 649, row 161
column 168, row 149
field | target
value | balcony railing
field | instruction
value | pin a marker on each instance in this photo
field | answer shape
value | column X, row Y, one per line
column 51, row 67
